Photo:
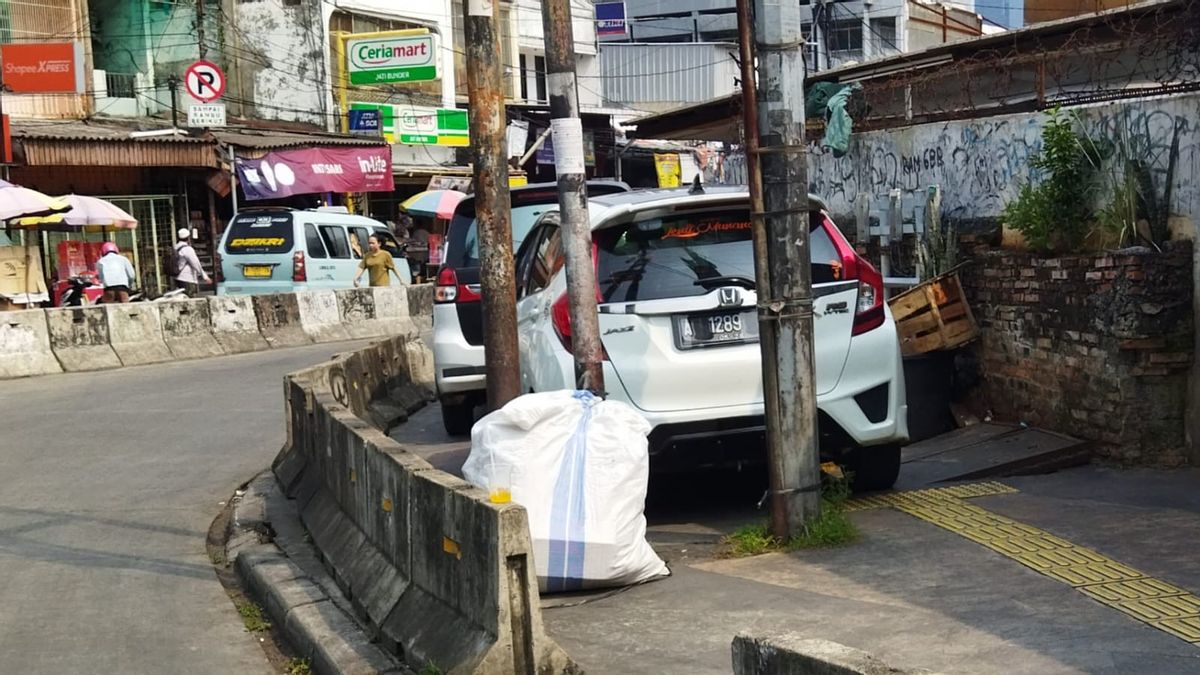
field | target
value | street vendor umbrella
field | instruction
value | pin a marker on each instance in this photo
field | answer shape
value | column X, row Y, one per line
column 433, row 203
column 21, row 202
column 85, row 213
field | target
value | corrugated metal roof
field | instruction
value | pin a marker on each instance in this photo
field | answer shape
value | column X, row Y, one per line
column 276, row 140
column 81, row 130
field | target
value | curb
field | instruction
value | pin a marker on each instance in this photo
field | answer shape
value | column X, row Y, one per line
column 312, row 621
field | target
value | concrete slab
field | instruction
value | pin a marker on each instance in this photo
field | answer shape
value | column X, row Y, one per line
column 234, row 325
column 988, row 451
column 79, row 338
column 135, row 333
column 279, row 320
column 319, row 316
column 187, row 329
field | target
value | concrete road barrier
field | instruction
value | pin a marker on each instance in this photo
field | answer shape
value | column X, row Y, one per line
column 79, row 338
column 442, row 575
column 279, row 320
column 391, row 309
column 319, row 316
column 234, row 325
column 187, row 329
column 25, row 345
column 794, row 655
column 135, row 333
column 420, row 305
column 356, row 308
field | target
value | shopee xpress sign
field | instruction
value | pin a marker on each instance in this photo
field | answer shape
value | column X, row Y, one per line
column 411, row 58
column 43, row 67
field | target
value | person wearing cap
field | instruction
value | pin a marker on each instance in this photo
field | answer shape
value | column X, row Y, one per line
column 188, row 271
column 115, row 272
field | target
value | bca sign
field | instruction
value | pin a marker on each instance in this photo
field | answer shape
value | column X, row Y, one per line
column 204, row 81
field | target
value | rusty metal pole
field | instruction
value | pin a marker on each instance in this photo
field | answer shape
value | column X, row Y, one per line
column 492, row 205
column 572, row 195
column 785, row 303
column 762, row 273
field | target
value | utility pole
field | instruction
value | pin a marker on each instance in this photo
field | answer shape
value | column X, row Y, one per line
column 200, row 28
column 173, row 86
column 572, row 195
column 492, row 205
column 776, row 158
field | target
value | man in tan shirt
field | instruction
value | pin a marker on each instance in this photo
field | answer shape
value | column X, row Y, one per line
column 377, row 262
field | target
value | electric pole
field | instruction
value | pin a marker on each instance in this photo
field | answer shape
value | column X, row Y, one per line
column 200, row 28
column 572, row 195
column 492, row 206
column 776, row 159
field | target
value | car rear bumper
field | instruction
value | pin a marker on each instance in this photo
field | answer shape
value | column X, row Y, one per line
column 458, row 365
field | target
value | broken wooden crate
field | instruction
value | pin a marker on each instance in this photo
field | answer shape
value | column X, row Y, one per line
column 933, row 316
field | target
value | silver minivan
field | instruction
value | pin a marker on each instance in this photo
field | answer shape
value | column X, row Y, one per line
column 279, row 250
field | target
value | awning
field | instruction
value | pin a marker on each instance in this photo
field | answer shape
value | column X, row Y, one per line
column 80, row 143
column 715, row 120
column 258, row 139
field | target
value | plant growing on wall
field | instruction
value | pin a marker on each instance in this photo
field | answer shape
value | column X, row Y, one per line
column 1133, row 199
column 1055, row 214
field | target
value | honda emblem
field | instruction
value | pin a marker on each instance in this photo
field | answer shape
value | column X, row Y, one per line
column 729, row 296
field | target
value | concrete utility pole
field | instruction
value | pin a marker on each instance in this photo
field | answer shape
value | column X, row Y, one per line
column 776, row 157
column 572, row 195
column 492, row 205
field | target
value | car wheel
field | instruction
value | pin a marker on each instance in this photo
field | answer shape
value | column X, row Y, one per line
column 873, row 468
column 458, row 415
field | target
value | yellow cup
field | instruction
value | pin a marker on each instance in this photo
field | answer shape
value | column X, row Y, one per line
column 500, row 485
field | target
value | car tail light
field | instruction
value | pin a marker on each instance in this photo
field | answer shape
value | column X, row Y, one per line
column 560, row 318
column 218, row 272
column 449, row 290
column 868, row 313
column 298, row 271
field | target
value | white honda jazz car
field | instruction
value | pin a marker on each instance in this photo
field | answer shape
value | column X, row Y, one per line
column 675, row 274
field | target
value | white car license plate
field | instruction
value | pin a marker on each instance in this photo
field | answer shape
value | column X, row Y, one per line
column 706, row 330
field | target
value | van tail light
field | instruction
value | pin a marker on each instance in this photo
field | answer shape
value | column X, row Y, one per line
column 449, row 290
column 298, row 271
column 218, row 271
column 868, row 312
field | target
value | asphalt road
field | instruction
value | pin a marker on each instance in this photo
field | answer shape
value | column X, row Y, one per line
column 108, row 484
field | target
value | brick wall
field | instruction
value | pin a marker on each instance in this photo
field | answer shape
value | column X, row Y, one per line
column 1096, row 346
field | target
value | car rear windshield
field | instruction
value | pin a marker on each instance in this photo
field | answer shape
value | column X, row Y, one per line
column 462, row 242
column 666, row 257
column 258, row 233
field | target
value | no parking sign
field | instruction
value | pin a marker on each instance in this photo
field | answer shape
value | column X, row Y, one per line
column 204, row 81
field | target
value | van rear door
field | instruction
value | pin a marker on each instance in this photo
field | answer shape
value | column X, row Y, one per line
column 258, row 247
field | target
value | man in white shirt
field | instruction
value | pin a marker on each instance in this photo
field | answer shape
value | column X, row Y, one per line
column 188, row 270
column 115, row 272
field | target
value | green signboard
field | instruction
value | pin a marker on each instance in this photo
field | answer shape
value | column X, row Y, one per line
column 392, row 59
column 421, row 125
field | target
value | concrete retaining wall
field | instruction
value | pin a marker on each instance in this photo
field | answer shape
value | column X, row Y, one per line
column 234, row 325
column 187, row 329
column 79, row 338
column 442, row 575
column 39, row 342
column 793, row 655
column 135, row 333
column 25, row 345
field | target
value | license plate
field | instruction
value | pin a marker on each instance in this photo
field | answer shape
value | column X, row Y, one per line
column 706, row 330
column 256, row 271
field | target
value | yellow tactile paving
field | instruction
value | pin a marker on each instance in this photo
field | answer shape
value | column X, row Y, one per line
column 1146, row 599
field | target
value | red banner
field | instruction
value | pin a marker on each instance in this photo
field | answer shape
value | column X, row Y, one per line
column 313, row 170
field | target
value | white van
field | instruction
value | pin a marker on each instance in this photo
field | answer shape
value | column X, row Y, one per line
column 279, row 250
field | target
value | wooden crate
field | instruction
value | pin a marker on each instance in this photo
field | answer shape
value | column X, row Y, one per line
column 933, row 315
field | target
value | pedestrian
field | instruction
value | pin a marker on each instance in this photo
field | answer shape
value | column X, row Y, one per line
column 115, row 272
column 188, row 270
column 377, row 263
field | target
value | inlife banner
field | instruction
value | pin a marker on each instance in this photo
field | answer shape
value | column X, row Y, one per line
column 313, row 170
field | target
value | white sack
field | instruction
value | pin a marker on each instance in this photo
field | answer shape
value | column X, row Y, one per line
column 580, row 466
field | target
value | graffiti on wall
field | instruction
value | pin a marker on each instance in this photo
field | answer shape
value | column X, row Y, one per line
column 982, row 164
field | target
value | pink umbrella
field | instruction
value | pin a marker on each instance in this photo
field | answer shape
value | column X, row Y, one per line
column 433, row 203
column 17, row 202
column 84, row 213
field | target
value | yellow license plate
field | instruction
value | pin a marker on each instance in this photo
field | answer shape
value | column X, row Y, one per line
column 256, row 271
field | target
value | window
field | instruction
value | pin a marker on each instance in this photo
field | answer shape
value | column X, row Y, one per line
column 533, row 77
column 358, row 241
column 258, row 233
column 312, row 241
column 846, row 37
column 883, row 36
column 548, row 261
column 335, row 241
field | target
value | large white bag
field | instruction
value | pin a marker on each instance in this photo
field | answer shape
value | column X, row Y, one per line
column 579, row 465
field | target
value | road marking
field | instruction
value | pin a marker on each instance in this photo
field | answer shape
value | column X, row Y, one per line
column 1151, row 601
